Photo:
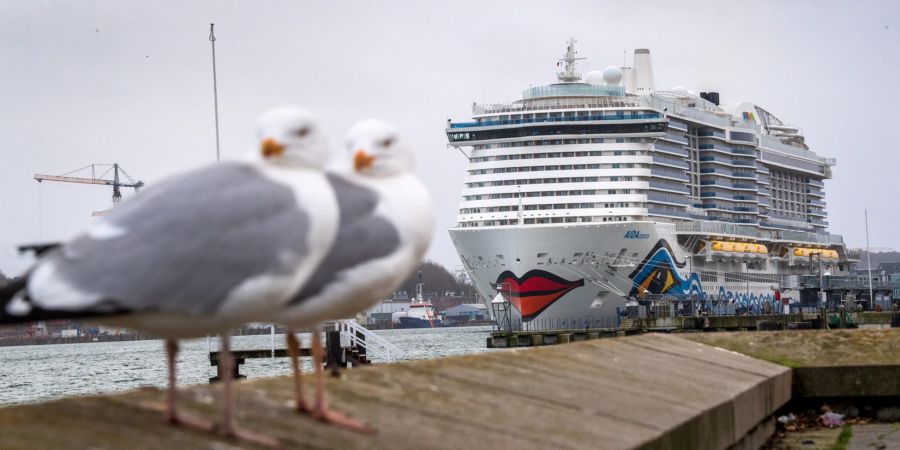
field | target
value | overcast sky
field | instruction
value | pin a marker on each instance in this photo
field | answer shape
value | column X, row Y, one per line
column 130, row 82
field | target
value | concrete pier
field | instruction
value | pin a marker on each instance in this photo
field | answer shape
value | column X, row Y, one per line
column 825, row 363
column 651, row 392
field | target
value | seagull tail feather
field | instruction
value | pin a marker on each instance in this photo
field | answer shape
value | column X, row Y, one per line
column 7, row 294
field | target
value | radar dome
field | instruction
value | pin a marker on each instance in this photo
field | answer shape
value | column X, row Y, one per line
column 594, row 77
column 612, row 75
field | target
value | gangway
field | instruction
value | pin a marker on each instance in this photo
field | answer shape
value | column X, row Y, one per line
column 355, row 335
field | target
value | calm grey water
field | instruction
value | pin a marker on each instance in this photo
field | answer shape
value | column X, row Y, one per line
column 42, row 372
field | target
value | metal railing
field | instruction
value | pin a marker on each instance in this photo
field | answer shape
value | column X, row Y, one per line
column 847, row 282
column 489, row 123
column 372, row 342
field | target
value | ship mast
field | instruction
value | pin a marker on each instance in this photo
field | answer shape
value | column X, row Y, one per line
column 569, row 75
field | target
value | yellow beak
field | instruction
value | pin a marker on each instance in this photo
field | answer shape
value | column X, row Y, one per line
column 361, row 159
column 270, row 147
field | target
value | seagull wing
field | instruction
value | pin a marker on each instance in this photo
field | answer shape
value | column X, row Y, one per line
column 183, row 246
column 362, row 236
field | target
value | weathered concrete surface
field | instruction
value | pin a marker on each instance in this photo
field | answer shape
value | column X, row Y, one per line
column 875, row 436
column 651, row 391
column 826, row 363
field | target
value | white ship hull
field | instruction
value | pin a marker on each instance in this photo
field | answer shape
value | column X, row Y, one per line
column 582, row 275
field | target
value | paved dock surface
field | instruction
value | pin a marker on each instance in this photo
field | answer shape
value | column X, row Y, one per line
column 651, row 391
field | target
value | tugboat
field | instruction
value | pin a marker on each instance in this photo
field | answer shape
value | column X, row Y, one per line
column 421, row 312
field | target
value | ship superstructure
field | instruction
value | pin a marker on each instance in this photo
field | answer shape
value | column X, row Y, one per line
column 589, row 191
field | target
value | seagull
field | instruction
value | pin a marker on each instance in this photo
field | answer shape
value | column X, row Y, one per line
column 385, row 226
column 197, row 253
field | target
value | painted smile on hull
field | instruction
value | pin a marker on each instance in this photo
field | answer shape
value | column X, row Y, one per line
column 533, row 292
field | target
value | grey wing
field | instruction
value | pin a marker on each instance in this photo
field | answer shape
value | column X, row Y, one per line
column 188, row 242
column 362, row 236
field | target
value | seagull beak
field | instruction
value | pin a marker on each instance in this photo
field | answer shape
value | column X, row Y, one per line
column 270, row 147
column 361, row 159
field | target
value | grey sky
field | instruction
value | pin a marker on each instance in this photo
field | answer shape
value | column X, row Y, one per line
column 129, row 82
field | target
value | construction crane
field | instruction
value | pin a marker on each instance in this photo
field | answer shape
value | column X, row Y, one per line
column 116, row 182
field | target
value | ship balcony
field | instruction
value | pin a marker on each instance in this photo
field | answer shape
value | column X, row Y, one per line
column 654, row 197
column 735, row 198
column 725, row 149
column 669, row 136
column 660, row 172
column 815, row 193
column 707, row 132
column 668, row 212
column 656, row 185
column 678, row 126
column 811, row 201
column 665, row 148
column 726, row 173
column 727, row 184
column 817, row 213
column 735, row 209
column 816, row 183
column 670, row 162
column 728, row 162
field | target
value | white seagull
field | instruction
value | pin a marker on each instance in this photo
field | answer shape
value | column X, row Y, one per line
column 386, row 223
column 198, row 253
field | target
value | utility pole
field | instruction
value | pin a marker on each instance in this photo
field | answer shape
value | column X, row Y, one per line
column 212, row 39
column 869, row 261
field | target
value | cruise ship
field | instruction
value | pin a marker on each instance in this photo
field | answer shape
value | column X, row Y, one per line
column 592, row 194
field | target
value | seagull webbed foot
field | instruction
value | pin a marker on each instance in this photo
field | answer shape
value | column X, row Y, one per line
column 242, row 434
column 338, row 419
column 192, row 422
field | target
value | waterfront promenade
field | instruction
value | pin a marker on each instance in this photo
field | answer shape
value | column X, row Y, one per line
column 651, row 391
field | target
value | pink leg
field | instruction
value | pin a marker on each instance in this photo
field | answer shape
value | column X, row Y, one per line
column 172, row 414
column 321, row 412
column 294, row 352
column 228, row 427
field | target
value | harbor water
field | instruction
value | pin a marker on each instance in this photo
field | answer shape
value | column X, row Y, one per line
column 43, row 372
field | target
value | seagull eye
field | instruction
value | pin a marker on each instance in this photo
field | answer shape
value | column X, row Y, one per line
column 302, row 132
column 387, row 142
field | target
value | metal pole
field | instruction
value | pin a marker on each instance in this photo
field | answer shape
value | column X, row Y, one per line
column 821, row 282
column 212, row 39
column 272, row 334
column 869, row 261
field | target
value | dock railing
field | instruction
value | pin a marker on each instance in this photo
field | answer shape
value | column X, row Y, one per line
column 356, row 335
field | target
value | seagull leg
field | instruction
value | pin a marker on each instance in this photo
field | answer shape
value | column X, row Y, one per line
column 294, row 350
column 228, row 427
column 172, row 415
column 320, row 411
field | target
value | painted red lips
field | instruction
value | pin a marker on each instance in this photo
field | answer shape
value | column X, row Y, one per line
column 533, row 292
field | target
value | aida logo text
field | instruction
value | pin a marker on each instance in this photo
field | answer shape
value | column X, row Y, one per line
column 635, row 234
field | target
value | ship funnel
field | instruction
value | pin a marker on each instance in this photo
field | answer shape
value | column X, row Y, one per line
column 642, row 73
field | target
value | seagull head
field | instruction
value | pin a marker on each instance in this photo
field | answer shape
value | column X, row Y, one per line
column 291, row 136
column 379, row 149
